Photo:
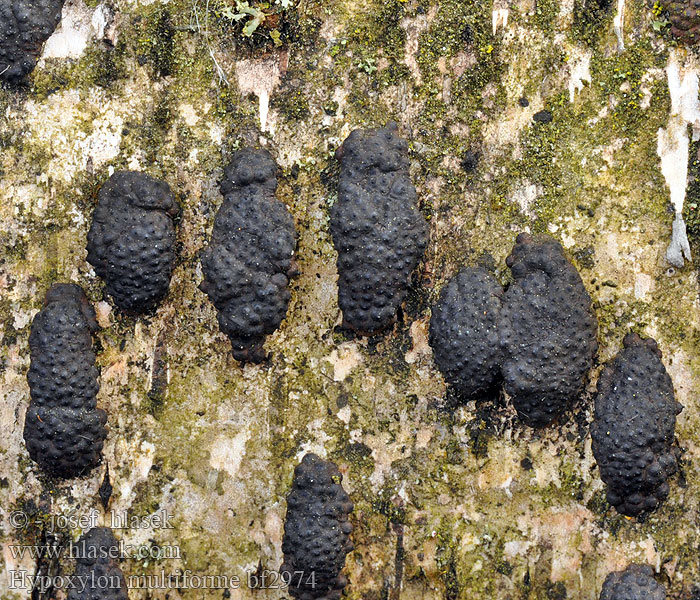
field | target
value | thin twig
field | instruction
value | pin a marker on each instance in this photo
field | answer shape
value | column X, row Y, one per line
column 219, row 71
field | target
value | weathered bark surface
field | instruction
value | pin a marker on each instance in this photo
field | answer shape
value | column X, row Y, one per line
column 470, row 504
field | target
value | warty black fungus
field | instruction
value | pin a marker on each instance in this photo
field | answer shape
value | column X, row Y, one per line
column 316, row 531
column 685, row 20
column 249, row 261
column 633, row 428
column 464, row 332
column 636, row 582
column 131, row 243
column 97, row 554
column 24, row 27
column 548, row 330
column 377, row 229
column 63, row 429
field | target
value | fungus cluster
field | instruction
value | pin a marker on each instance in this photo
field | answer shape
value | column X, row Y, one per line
column 377, row 228
column 249, row 261
column 63, row 428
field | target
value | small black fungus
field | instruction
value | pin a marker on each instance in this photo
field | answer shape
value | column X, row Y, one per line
column 24, row 27
column 105, row 489
column 249, row 260
column 63, row 428
column 131, row 243
column 524, row 102
column 470, row 161
column 685, row 20
column 316, row 531
column 633, row 428
column 636, row 582
column 464, row 332
column 97, row 553
column 548, row 330
column 377, row 229
column 544, row 116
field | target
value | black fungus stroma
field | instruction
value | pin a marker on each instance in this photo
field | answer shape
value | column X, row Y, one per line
column 64, row 430
column 377, row 228
column 633, row 428
column 97, row 553
column 316, row 531
column 685, row 20
column 131, row 243
column 24, row 27
column 464, row 332
column 548, row 331
column 249, row 260
column 636, row 582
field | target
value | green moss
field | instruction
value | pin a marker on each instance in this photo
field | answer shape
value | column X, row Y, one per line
column 446, row 562
column 620, row 75
column 100, row 65
column 590, row 16
column 291, row 103
column 545, row 16
column 385, row 505
column 156, row 40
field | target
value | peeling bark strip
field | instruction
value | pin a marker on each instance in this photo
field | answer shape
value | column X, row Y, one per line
column 672, row 146
column 159, row 371
column 399, row 558
column 63, row 429
column 249, row 261
column 316, row 531
column 24, row 27
column 634, row 427
column 377, row 229
column 131, row 243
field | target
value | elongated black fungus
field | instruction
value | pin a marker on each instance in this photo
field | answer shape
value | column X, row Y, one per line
column 633, row 428
column 63, row 429
column 548, row 330
column 316, row 531
column 131, row 243
column 24, row 27
column 377, row 229
column 636, row 582
column 97, row 574
column 464, row 332
column 249, row 260
column 685, row 20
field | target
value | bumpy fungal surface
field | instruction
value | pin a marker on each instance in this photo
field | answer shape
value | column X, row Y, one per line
column 63, row 429
column 633, row 428
column 636, row 582
column 464, row 332
column 249, row 260
column 24, row 27
column 685, row 20
column 98, row 575
column 377, row 229
column 316, row 531
column 131, row 243
column 548, row 330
